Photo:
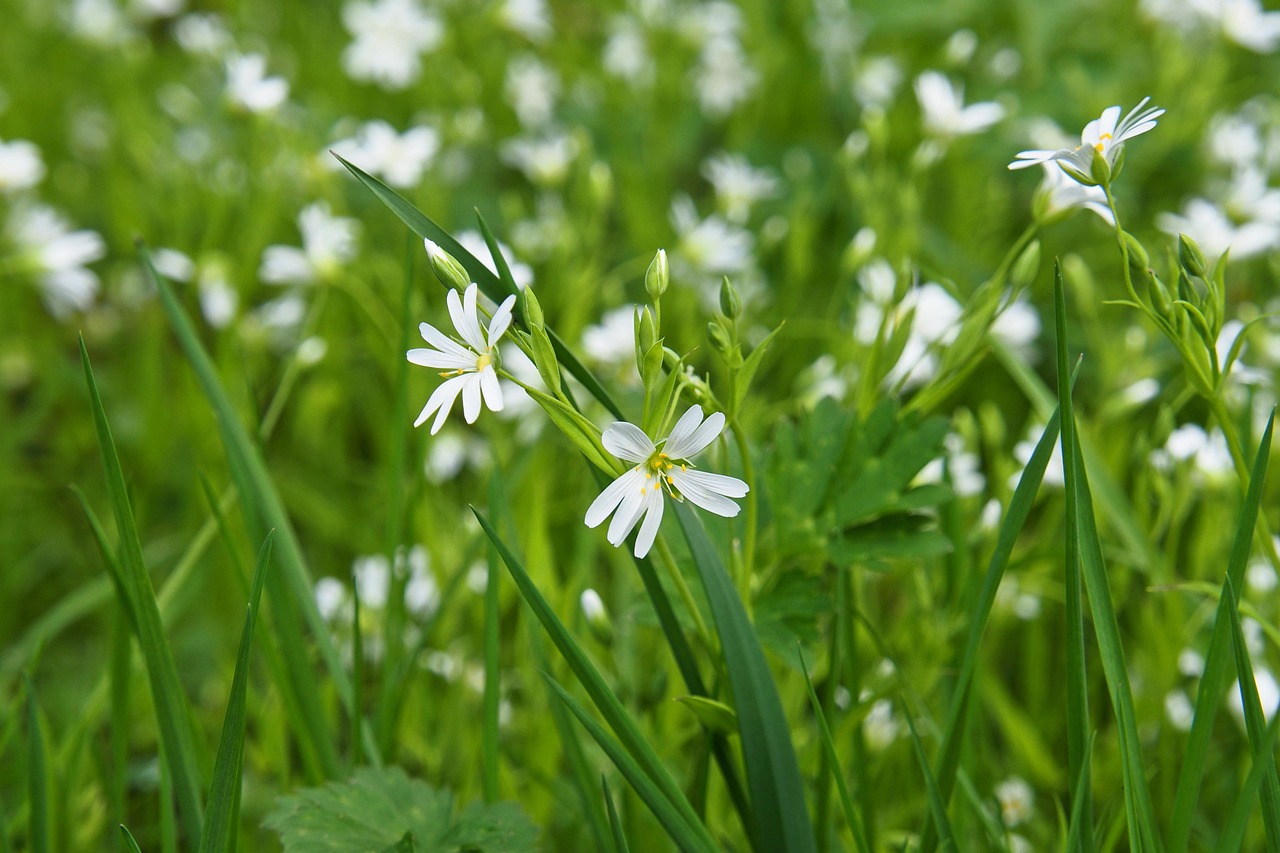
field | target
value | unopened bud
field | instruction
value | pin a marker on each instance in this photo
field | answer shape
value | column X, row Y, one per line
column 532, row 309
column 1190, row 256
column 1024, row 269
column 646, row 334
column 1159, row 295
column 1100, row 169
column 596, row 616
column 446, row 267
column 730, row 303
column 658, row 276
column 1139, row 260
column 719, row 337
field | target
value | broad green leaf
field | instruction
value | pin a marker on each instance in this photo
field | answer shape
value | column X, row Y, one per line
column 773, row 773
column 404, row 845
column 224, row 792
column 172, row 715
column 377, row 807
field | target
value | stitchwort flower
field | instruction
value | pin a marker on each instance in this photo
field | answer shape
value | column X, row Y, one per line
column 469, row 369
column 638, row 492
column 1103, row 136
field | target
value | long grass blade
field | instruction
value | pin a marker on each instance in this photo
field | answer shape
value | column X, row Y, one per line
column 224, row 791
column 37, row 777
column 172, row 715
column 1077, row 823
column 588, row 676
column 128, row 840
column 1216, row 675
column 1232, row 837
column 615, row 825
column 833, row 759
column 773, row 773
column 937, row 809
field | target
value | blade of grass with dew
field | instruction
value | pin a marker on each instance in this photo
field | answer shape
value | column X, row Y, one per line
column 615, row 825
column 1255, row 720
column 1232, row 836
column 773, row 773
column 223, row 812
column 1079, row 728
column 38, row 834
column 172, row 714
column 688, row 835
column 828, row 746
column 1143, row 831
column 489, row 283
column 1077, row 822
column 1216, row 674
column 265, row 511
column 585, row 672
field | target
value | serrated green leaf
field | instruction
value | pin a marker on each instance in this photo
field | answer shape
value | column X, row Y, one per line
column 888, row 473
column 895, row 536
column 377, row 807
column 404, row 845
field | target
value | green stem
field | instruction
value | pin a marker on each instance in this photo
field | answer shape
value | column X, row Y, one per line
column 749, row 520
column 1124, row 247
column 686, row 594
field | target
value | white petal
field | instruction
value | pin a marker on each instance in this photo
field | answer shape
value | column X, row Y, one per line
column 628, row 513
column 653, row 504
column 698, row 441
column 678, row 438
column 442, row 398
column 627, row 441
column 608, row 500
column 491, row 389
column 501, row 320
column 441, row 360
column 441, row 341
column 709, row 491
column 471, row 398
column 470, row 328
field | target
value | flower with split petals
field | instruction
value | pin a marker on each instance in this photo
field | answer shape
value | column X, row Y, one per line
column 1104, row 136
column 469, row 366
column 638, row 493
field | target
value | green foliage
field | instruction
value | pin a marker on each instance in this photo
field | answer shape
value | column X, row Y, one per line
column 379, row 810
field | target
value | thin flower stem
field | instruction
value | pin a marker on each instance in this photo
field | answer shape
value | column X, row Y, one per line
column 1124, row 247
column 749, row 516
column 686, row 594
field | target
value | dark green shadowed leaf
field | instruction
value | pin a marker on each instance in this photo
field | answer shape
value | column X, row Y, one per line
column 833, row 758
column 1254, row 718
column 1232, row 837
column 37, row 776
column 404, row 845
column 489, row 283
column 773, row 773
column 172, row 715
column 615, row 825
column 224, row 791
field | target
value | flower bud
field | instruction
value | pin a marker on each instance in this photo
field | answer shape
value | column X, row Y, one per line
column 730, row 303
column 446, row 267
column 1024, row 268
column 719, row 338
column 532, row 312
column 658, row 276
column 1100, row 169
column 1139, row 260
column 646, row 335
column 1190, row 256
column 1159, row 296
column 596, row 615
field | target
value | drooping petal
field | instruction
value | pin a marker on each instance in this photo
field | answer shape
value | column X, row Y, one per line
column 441, row 399
column 627, row 514
column 608, row 500
column 709, row 491
column 491, row 389
column 471, row 398
column 627, row 441
column 653, row 506
column 697, row 441
column 501, row 319
column 1027, row 159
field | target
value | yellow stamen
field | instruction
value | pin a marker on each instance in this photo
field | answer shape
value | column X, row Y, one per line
column 483, row 361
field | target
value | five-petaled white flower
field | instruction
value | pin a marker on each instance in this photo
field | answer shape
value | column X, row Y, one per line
column 1105, row 135
column 638, row 492
column 469, row 369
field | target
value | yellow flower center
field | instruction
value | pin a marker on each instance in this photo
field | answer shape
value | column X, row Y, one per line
column 483, row 361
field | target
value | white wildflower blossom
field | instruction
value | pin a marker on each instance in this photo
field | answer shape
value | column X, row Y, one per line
column 57, row 257
column 1178, row 710
column 390, row 37
column 944, row 112
column 738, row 184
column 473, row 242
column 531, row 90
column 612, row 340
column 1059, row 194
column 249, row 87
column 469, row 366
column 328, row 241
column 372, row 576
column 545, row 158
column 1215, row 233
column 203, row 33
column 1017, row 801
column 1104, row 136
column 711, row 246
column 398, row 158
column 723, row 77
column 530, row 18
column 626, row 52
column 21, row 167
column 638, row 493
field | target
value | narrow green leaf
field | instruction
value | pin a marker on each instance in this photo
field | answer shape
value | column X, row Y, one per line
column 128, row 839
column 224, row 791
column 172, row 715
column 837, row 771
column 1254, row 719
column 747, row 371
column 37, row 777
column 1077, row 824
column 1232, row 836
column 505, row 278
column 489, row 283
column 937, row 808
column 689, row 836
column 604, row 699
column 265, row 511
column 492, row 648
column 715, row 716
column 773, row 773
column 615, row 825
column 1216, row 675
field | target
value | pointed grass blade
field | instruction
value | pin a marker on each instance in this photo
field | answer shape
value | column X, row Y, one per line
column 689, row 837
column 937, row 808
column 606, row 702
column 37, row 777
column 1077, row 824
column 829, row 747
column 128, row 839
column 172, row 714
column 773, row 773
column 489, row 284
column 615, row 825
column 1231, row 839
column 224, row 791
column 1216, row 675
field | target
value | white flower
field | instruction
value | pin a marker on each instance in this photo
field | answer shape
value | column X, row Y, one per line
column 202, row 32
column 372, row 575
column 545, row 159
column 469, row 369
column 1204, row 222
column 1106, row 135
column 527, row 17
column 638, row 492
column 57, row 257
column 1268, row 694
column 723, row 78
column 327, row 242
column 20, row 166
column 1179, row 710
column 1060, row 194
column 1246, row 24
column 390, row 38
column 712, row 246
column 531, row 90
column 738, row 184
column 1016, row 799
column 249, row 87
column 612, row 340
column 331, row 598
column 626, row 54
column 945, row 114
column 399, row 158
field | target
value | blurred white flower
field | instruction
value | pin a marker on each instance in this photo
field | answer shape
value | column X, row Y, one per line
column 1204, row 222
column 421, row 591
column 1059, row 194
column 711, row 246
column 1053, row 473
column 1104, row 135
column 203, row 33
column 738, row 184
column 612, row 340
column 56, row 256
column 1178, row 710
column 469, row 369
column 1268, row 694
column 151, row 10
column 249, row 87
column 327, row 242
column 1246, row 23
column 880, row 727
column 1190, row 663
column 331, row 598
column 944, row 112
column 452, row 451
column 1261, row 576
column 626, row 53
column 99, row 22
column 21, row 167
column 1017, row 801
column 1011, row 597
column 530, row 18
column 877, row 81
column 544, row 158
column 173, row 264
column 398, row 158
column 372, row 575
column 723, row 77
column 390, row 37
column 473, row 242
column 1018, row 327
column 531, row 90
